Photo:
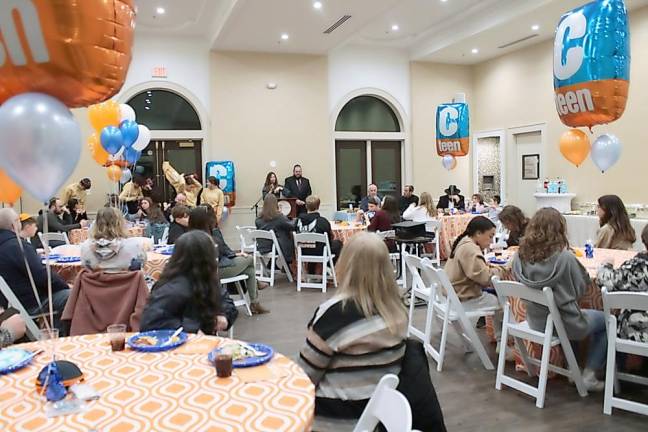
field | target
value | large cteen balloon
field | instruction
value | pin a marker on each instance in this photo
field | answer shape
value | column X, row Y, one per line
column 40, row 143
column 143, row 138
column 452, row 129
column 592, row 64
column 111, row 139
column 606, row 151
column 9, row 191
column 76, row 51
column 575, row 146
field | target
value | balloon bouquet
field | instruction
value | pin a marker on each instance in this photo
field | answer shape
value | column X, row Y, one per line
column 591, row 78
column 66, row 54
column 452, row 133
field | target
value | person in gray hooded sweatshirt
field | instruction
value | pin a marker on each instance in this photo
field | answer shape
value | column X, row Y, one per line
column 545, row 260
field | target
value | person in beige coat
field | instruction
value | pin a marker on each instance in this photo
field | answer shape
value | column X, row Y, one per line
column 616, row 231
column 469, row 272
column 183, row 184
column 213, row 196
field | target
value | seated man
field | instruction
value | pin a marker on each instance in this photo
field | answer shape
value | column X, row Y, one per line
column 313, row 222
column 13, row 256
column 453, row 197
column 372, row 191
column 54, row 222
column 407, row 198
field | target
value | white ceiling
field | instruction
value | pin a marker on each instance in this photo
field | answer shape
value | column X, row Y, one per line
column 430, row 30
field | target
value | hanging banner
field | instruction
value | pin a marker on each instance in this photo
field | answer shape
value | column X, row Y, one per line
column 592, row 64
column 452, row 129
column 224, row 173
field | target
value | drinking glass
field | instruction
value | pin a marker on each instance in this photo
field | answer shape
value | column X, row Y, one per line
column 48, row 338
column 116, row 336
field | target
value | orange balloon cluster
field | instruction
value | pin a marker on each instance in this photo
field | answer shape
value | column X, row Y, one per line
column 104, row 114
column 96, row 150
column 76, row 51
column 114, row 173
column 575, row 146
column 9, row 191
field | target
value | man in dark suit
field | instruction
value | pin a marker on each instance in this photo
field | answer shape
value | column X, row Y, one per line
column 452, row 194
column 298, row 187
column 407, row 198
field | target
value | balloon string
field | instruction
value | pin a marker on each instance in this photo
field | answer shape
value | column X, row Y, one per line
column 48, row 268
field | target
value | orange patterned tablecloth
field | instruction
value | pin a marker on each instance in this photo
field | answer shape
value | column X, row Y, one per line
column 451, row 228
column 345, row 232
column 78, row 236
column 166, row 391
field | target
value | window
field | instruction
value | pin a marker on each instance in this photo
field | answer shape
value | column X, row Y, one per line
column 367, row 114
column 164, row 110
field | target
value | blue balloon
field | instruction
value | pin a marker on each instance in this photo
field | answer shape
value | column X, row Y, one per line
column 131, row 155
column 111, row 139
column 130, row 132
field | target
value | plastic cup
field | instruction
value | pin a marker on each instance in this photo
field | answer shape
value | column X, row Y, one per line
column 223, row 364
column 116, row 336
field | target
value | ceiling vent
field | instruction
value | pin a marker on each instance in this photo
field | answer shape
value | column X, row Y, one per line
column 517, row 41
column 337, row 24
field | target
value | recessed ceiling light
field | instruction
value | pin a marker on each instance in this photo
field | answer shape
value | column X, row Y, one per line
column 475, row 50
column 443, row 1
column 395, row 27
column 535, row 27
column 317, row 5
column 147, row 108
column 284, row 36
column 160, row 10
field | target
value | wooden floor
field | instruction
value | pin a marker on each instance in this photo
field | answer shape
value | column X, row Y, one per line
column 466, row 390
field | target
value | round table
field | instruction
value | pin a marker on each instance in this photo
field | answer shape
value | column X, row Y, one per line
column 79, row 235
column 170, row 391
column 344, row 232
column 452, row 226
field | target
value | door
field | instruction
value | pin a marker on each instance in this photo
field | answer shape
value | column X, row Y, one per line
column 351, row 172
column 184, row 155
column 386, row 167
column 522, row 191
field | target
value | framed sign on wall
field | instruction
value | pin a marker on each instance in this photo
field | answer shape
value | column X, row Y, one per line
column 531, row 167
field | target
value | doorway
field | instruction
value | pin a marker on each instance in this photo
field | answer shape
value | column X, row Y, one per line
column 529, row 142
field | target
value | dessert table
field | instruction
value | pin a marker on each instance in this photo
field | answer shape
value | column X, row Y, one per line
column 79, row 235
column 581, row 228
column 173, row 390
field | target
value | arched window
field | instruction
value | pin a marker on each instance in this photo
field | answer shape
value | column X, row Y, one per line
column 367, row 114
column 164, row 110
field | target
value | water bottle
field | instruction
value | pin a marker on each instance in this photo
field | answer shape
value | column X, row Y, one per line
column 589, row 249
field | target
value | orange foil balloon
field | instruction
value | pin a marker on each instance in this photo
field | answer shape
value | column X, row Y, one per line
column 114, row 173
column 575, row 146
column 104, row 114
column 9, row 191
column 76, row 51
column 96, row 150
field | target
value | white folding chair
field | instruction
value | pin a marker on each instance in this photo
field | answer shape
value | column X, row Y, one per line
column 244, row 298
column 247, row 245
column 636, row 301
column 520, row 331
column 387, row 406
column 434, row 226
column 45, row 239
column 307, row 241
column 428, row 283
column 275, row 256
column 165, row 236
column 395, row 258
column 33, row 331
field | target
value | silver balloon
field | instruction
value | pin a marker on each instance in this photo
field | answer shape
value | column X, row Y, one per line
column 606, row 151
column 126, row 176
column 40, row 143
column 449, row 162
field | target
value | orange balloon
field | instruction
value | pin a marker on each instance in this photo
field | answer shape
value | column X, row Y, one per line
column 76, row 51
column 9, row 191
column 104, row 114
column 114, row 173
column 575, row 146
column 96, row 150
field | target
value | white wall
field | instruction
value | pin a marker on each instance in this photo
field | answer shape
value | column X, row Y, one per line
column 355, row 67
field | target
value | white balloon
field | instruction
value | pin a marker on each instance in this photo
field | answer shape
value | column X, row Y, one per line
column 143, row 138
column 449, row 162
column 606, row 151
column 126, row 176
column 126, row 112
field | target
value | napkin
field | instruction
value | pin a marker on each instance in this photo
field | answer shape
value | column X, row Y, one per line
column 197, row 345
column 265, row 372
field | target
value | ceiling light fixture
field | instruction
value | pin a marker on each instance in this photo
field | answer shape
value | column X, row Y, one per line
column 284, row 36
column 535, row 27
column 395, row 27
column 443, row 1
column 317, row 5
column 160, row 10
column 475, row 50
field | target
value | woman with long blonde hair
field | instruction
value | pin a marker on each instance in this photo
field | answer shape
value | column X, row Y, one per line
column 423, row 212
column 109, row 247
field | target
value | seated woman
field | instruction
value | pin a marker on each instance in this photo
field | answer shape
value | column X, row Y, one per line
column 109, row 248
column 385, row 216
column 515, row 222
column 188, row 293
column 544, row 259
column 75, row 212
column 12, row 327
column 631, row 276
column 272, row 219
column 230, row 263
column 422, row 212
column 477, row 205
column 616, row 231
column 470, row 274
column 180, row 224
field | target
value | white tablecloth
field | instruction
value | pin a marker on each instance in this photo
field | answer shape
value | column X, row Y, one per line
column 583, row 228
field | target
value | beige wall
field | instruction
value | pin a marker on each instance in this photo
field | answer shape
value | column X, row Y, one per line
column 433, row 84
column 517, row 90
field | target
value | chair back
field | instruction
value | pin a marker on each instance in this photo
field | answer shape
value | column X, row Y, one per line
column 506, row 289
column 247, row 243
column 438, row 278
column 416, row 266
column 165, row 236
column 311, row 239
column 46, row 238
column 637, row 301
column 386, row 234
column 432, row 225
column 33, row 331
column 387, row 406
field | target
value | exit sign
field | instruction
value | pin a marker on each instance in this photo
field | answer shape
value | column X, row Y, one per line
column 159, row 72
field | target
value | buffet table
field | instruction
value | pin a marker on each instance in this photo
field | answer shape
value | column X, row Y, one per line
column 582, row 228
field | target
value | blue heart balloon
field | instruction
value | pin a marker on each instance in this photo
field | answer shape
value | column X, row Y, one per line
column 131, row 155
column 130, row 132
column 111, row 139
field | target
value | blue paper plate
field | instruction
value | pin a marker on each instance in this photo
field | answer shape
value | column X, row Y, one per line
column 497, row 261
column 68, row 259
column 165, row 250
column 52, row 257
column 12, row 359
column 161, row 335
column 250, row 361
